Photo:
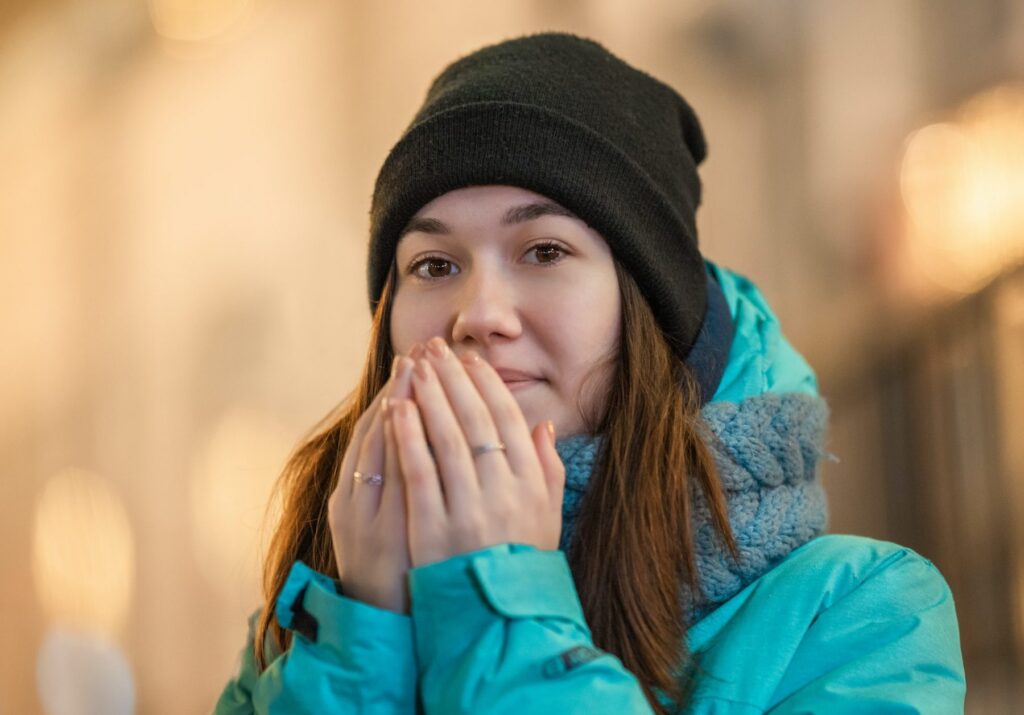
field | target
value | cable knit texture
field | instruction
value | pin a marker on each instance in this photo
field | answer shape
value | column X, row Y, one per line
column 767, row 450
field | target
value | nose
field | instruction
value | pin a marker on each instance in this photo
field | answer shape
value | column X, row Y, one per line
column 486, row 309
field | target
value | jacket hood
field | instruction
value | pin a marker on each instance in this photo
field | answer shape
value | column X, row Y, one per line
column 761, row 360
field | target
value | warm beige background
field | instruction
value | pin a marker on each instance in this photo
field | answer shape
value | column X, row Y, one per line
column 184, row 190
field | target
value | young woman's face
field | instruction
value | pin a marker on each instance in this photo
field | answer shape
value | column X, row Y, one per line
column 516, row 277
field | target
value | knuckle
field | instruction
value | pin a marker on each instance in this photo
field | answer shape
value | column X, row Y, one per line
column 468, row 527
column 446, row 444
column 537, row 496
column 540, row 488
column 363, row 455
column 504, row 512
column 478, row 421
column 416, row 478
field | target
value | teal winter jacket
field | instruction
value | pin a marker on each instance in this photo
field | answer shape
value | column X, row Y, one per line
column 843, row 624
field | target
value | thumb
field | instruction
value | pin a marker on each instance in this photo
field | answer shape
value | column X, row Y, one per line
column 554, row 471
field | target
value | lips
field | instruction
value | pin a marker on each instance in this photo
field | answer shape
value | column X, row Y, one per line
column 517, row 379
column 509, row 375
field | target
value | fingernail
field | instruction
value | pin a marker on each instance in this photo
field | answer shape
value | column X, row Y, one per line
column 404, row 365
column 417, row 351
column 551, row 430
column 437, row 347
column 470, row 357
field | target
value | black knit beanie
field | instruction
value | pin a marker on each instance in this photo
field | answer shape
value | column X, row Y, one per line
column 559, row 115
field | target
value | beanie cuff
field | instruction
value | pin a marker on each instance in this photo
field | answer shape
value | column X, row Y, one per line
column 531, row 147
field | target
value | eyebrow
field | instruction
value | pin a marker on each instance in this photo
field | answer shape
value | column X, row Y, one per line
column 514, row 215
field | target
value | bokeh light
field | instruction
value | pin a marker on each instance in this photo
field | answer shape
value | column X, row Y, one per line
column 198, row 20
column 229, row 493
column 83, row 553
column 83, row 674
column 962, row 184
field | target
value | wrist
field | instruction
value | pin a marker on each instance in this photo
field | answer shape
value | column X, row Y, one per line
column 388, row 600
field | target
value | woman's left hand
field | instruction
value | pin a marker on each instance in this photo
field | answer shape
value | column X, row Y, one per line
column 499, row 496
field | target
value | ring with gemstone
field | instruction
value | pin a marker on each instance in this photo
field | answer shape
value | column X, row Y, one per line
column 373, row 479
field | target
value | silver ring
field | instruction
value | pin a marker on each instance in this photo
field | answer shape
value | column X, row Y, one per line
column 489, row 447
column 374, row 479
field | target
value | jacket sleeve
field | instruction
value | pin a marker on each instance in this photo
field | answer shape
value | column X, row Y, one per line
column 345, row 657
column 891, row 645
column 501, row 630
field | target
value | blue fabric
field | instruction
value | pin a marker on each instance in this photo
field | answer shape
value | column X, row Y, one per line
column 844, row 624
column 710, row 352
column 803, row 623
column 761, row 359
column 361, row 660
column 476, row 658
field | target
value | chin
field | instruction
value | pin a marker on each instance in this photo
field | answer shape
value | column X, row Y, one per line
column 538, row 408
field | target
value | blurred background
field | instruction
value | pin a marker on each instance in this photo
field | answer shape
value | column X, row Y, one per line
column 184, row 197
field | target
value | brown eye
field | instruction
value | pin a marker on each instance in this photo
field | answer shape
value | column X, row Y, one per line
column 548, row 253
column 437, row 269
column 432, row 268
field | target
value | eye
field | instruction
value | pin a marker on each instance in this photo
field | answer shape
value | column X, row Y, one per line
column 433, row 268
column 548, row 253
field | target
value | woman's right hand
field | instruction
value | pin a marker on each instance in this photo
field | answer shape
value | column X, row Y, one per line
column 368, row 521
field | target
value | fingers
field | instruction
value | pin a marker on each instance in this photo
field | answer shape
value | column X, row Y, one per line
column 370, row 465
column 425, row 502
column 352, row 451
column 543, row 437
column 392, row 498
column 365, row 452
column 504, row 412
column 454, row 405
column 467, row 406
column 445, row 435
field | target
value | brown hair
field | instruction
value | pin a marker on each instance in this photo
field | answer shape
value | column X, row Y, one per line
column 633, row 546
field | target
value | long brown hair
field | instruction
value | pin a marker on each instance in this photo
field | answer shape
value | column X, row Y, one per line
column 632, row 554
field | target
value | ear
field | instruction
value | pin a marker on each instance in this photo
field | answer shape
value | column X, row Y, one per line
column 554, row 471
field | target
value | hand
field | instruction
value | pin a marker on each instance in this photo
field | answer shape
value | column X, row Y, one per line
column 367, row 521
column 511, row 496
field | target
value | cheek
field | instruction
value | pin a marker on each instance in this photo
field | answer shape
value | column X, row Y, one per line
column 590, row 314
column 581, row 326
column 412, row 321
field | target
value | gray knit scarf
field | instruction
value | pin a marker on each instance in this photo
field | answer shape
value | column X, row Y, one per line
column 767, row 449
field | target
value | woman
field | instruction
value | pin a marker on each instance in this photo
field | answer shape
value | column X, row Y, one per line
column 534, row 273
